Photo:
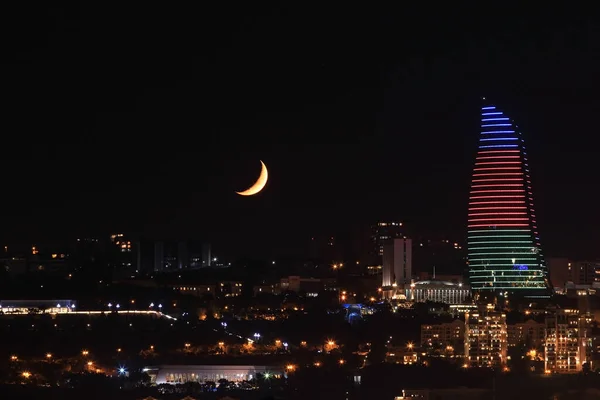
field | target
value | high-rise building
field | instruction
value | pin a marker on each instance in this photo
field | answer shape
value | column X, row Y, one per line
column 486, row 342
column 504, row 251
column 122, row 255
column 563, row 270
column 382, row 233
column 397, row 262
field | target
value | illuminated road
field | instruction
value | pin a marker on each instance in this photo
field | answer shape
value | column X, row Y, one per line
column 96, row 312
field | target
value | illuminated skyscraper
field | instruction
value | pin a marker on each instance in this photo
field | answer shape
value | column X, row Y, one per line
column 504, row 250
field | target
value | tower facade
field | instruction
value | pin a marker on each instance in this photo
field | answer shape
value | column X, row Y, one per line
column 397, row 262
column 504, row 250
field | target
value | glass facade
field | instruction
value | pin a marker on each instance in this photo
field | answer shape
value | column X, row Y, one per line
column 504, row 251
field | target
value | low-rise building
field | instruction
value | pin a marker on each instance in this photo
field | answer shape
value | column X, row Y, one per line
column 178, row 374
column 442, row 336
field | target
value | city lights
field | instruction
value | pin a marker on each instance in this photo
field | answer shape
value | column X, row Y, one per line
column 502, row 227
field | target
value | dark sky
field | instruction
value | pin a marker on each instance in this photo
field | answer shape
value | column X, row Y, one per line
column 147, row 118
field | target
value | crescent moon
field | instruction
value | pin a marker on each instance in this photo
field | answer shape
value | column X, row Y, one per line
column 259, row 184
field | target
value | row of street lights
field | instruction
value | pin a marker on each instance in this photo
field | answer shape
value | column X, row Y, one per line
column 110, row 305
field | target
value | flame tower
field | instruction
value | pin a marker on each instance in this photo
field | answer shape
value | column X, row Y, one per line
column 505, row 254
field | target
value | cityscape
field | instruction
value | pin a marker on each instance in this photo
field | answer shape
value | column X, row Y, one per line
column 334, row 259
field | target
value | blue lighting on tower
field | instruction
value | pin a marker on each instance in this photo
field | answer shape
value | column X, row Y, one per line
column 498, row 145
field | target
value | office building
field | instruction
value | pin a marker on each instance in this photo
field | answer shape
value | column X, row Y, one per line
column 382, row 233
column 397, row 263
column 504, row 250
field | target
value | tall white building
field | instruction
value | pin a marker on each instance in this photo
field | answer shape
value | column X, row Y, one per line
column 397, row 262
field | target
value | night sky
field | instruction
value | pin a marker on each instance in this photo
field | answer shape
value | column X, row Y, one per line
column 147, row 119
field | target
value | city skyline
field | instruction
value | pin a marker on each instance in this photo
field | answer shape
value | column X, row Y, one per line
column 257, row 201
column 159, row 146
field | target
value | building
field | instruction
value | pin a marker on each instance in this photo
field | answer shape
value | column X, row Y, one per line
column 309, row 286
column 122, row 255
column 178, row 374
column 528, row 333
column 165, row 256
column 401, row 356
column 563, row 270
column 438, row 291
column 397, row 262
column 445, row 394
column 37, row 306
column 584, row 272
column 381, row 233
column 559, row 271
column 34, row 259
column 569, row 342
column 486, row 341
column 504, row 250
column 440, row 337
column 196, row 289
